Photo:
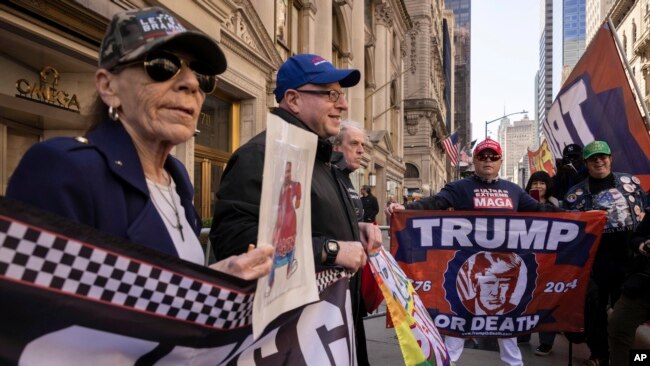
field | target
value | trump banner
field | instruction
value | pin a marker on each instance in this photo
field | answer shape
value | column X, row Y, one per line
column 596, row 102
column 503, row 275
column 419, row 340
column 74, row 296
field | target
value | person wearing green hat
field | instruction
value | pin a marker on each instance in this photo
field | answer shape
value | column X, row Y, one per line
column 621, row 196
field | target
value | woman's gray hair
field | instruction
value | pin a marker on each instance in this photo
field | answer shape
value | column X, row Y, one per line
column 345, row 126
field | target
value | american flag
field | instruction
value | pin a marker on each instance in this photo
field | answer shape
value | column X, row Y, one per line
column 452, row 145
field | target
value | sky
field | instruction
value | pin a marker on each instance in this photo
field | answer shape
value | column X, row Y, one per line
column 505, row 58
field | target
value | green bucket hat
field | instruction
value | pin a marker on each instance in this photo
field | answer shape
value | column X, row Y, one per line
column 596, row 147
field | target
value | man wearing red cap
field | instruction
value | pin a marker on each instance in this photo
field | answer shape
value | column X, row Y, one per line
column 468, row 194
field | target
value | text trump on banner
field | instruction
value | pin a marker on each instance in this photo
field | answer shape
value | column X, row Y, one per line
column 488, row 274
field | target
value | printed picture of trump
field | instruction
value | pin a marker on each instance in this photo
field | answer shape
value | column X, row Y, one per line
column 491, row 283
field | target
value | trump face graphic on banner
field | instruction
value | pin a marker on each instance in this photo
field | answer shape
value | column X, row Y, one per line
column 491, row 283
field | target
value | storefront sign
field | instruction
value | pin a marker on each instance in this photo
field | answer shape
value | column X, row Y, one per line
column 46, row 90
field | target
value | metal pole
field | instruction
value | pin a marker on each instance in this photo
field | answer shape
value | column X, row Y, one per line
column 612, row 30
column 502, row 117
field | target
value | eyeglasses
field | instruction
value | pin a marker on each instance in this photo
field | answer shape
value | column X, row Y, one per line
column 486, row 157
column 597, row 157
column 333, row 95
column 162, row 66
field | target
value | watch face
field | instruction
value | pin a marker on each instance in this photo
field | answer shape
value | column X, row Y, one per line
column 332, row 246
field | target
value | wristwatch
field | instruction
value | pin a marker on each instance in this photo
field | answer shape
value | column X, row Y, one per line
column 331, row 249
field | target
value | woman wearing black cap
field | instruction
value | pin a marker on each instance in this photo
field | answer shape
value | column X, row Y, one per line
column 120, row 178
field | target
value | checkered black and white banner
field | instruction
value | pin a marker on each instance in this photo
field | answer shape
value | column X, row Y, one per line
column 72, row 295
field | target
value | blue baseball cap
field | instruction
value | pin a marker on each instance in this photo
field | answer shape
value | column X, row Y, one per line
column 305, row 68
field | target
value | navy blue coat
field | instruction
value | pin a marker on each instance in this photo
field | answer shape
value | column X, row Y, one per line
column 100, row 182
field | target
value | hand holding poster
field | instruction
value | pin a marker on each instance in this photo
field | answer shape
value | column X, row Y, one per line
column 483, row 274
column 285, row 214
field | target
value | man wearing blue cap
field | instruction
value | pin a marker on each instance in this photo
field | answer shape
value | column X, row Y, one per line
column 310, row 95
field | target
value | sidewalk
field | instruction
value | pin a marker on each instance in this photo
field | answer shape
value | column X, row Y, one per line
column 383, row 349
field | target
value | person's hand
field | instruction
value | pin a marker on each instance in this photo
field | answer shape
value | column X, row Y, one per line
column 248, row 266
column 351, row 255
column 392, row 208
column 370, row 236
column 642, row 248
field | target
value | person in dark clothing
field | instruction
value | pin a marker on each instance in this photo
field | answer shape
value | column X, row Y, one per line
column 310, row 97
column 370, row 205
column 633, row 307
column 349, row 144
column 483, row 191
column 571, row 170
column 621, row 196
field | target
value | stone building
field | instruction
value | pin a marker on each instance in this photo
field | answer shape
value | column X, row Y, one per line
column 386, row 24
column 632, row 22
column 54, row 44
column 428, row 101
column 515, row 138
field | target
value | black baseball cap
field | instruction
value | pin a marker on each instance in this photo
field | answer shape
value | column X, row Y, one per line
column 572, row 151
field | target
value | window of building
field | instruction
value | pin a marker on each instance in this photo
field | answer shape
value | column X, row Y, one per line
column 633, row 33
column 287, row 25
column 411, row 171
column 337, row 44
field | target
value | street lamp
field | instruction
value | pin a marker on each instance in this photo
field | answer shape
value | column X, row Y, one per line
column 500, row 118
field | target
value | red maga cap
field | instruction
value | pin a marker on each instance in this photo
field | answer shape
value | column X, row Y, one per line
column 488, row 143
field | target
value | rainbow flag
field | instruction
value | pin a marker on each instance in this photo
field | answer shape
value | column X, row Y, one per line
column 419, row 340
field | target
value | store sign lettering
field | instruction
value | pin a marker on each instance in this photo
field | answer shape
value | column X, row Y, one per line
column 46, row 90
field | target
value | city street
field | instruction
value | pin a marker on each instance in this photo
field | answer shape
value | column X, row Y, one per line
column 383, row 349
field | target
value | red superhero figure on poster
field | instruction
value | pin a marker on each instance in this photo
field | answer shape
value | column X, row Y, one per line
column 284, row 232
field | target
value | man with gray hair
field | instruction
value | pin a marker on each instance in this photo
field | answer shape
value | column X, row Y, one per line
column 349, row 147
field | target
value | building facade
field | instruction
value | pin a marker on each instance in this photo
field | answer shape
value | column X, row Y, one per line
column 386, row 25
column 596, row 12
column 573, row 31
column 632, row 22
column 462, row 67
column 544, row 92
column 427, row 108
column 515, row 138
column 49, row 57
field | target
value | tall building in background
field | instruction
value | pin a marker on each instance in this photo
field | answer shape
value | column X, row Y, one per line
column 428, row 121
column 514, row 137
column 462, row 41
column 573, row 31
column 596, row 12
column 545, row 74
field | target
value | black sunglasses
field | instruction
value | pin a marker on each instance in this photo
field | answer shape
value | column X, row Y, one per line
column 162, row 66
column 486, row 157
